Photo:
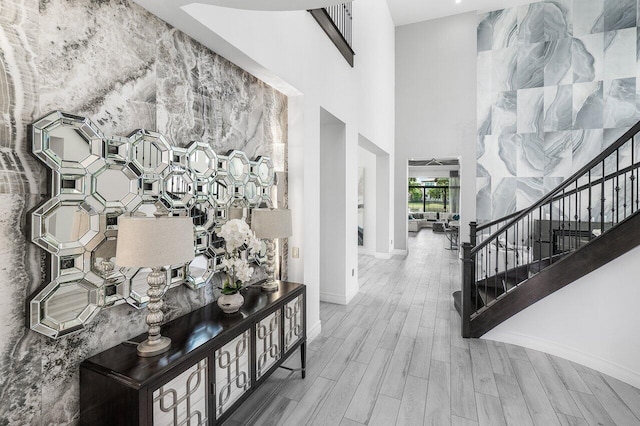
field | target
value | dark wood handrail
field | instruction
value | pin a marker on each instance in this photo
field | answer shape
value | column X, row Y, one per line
column 483, row 226
column 598, row 181
column 338, row 32
column 551, row 196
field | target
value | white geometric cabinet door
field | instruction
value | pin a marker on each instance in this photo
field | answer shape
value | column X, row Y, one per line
column 233, row 375
column 268, row 349
column 183, row 401
column 292, row 322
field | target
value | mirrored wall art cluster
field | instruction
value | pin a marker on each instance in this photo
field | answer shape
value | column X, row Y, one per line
column 96, row 178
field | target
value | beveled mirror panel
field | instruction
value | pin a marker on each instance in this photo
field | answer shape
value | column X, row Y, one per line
column 66, row 141
column 95, row 179
column 200, row 271
column 63, row 307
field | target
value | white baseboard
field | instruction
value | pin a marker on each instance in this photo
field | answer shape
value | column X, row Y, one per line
column 314, row 331
column 352, row 294
column 366, row 252
column 338, row 299
column 567, row 352
column 399, row 252
column 381, row 255
column 376, row 254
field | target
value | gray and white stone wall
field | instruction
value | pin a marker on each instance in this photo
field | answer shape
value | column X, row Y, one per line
column 117, row 64
column 556, row 86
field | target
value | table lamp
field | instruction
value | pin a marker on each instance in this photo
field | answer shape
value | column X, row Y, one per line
column 154, row 242
column 270, row 224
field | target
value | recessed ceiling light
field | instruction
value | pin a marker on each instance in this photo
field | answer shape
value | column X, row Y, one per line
column 458, row 1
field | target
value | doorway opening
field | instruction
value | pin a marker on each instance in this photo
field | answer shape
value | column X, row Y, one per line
column 433, row 194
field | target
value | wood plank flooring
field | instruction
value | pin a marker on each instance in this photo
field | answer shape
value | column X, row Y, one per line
column 394, row 356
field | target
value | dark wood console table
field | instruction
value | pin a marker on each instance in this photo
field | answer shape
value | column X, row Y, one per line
column 215, row 362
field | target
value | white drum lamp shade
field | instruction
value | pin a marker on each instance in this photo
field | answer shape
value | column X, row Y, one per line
column 271, row 223
column 154, row 242
column 149, row 241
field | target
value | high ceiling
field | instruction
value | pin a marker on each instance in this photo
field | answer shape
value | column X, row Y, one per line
column 274, row 5
column 403, row 12
column 411, row 11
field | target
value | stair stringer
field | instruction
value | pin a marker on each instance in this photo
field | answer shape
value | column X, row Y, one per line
column 612, row 244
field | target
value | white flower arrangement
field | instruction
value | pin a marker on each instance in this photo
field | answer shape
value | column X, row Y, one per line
column 237, row 235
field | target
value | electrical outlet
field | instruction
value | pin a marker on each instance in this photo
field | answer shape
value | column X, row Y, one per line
column 353, row 272
column 295, row 252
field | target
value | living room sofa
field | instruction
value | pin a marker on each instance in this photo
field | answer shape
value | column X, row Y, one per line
column 417, row 221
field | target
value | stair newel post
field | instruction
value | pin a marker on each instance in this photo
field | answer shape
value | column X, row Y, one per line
column 468, row 272
column 472, row 233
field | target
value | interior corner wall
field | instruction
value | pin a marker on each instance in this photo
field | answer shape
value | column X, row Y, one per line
column 435, row 107
column 367, row 162
column 332, row 207
column 384, row 205
column 125, row 69
column 296, row 182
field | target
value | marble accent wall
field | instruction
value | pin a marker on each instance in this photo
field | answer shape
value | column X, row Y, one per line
column 112, row 61
column 556, row 86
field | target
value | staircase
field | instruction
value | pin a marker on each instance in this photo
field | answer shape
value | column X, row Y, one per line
column 588, row 220
column 336, row 21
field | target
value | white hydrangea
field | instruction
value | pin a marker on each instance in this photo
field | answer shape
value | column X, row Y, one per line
column 254, row 245
column 236, row 234
column 244, row 273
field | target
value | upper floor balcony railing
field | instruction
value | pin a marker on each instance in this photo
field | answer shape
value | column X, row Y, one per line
column 336, row 21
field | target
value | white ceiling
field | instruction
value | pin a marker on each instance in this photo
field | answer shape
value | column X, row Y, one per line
column 431, row 171
column 267, row 4
column 410, row 11
column 403, row 12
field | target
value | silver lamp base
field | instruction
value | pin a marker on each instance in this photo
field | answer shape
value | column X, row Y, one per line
column 154, row 347
column 270, row 285
column 155, row 343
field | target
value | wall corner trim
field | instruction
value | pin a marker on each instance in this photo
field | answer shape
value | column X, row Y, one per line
column 314, row 331
column 400, row 252
column 339, row 299
column 382, row 255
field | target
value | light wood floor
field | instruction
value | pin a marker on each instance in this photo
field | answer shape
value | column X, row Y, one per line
column 394, row 356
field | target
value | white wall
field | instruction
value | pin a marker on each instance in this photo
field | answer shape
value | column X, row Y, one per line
column 292, row 53
column 431, row 171
column 592, row 321
column 436, row 107
column 333, row 288
column 367, row 161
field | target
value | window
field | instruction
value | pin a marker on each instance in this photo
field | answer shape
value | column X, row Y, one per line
column 430, row 195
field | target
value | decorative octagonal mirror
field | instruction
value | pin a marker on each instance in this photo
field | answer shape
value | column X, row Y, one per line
column 149, row 152
column 65, row 227
column 264, row 171
column 116, row 186
column 95, row 179
column 238, row 167
column 64, row 307
column 178, row 190
column 66, row 141
column 202, row 160
column 200, row 272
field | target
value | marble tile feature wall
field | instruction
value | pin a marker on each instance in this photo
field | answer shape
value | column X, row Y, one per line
column 112, row 61
column 557, row 84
